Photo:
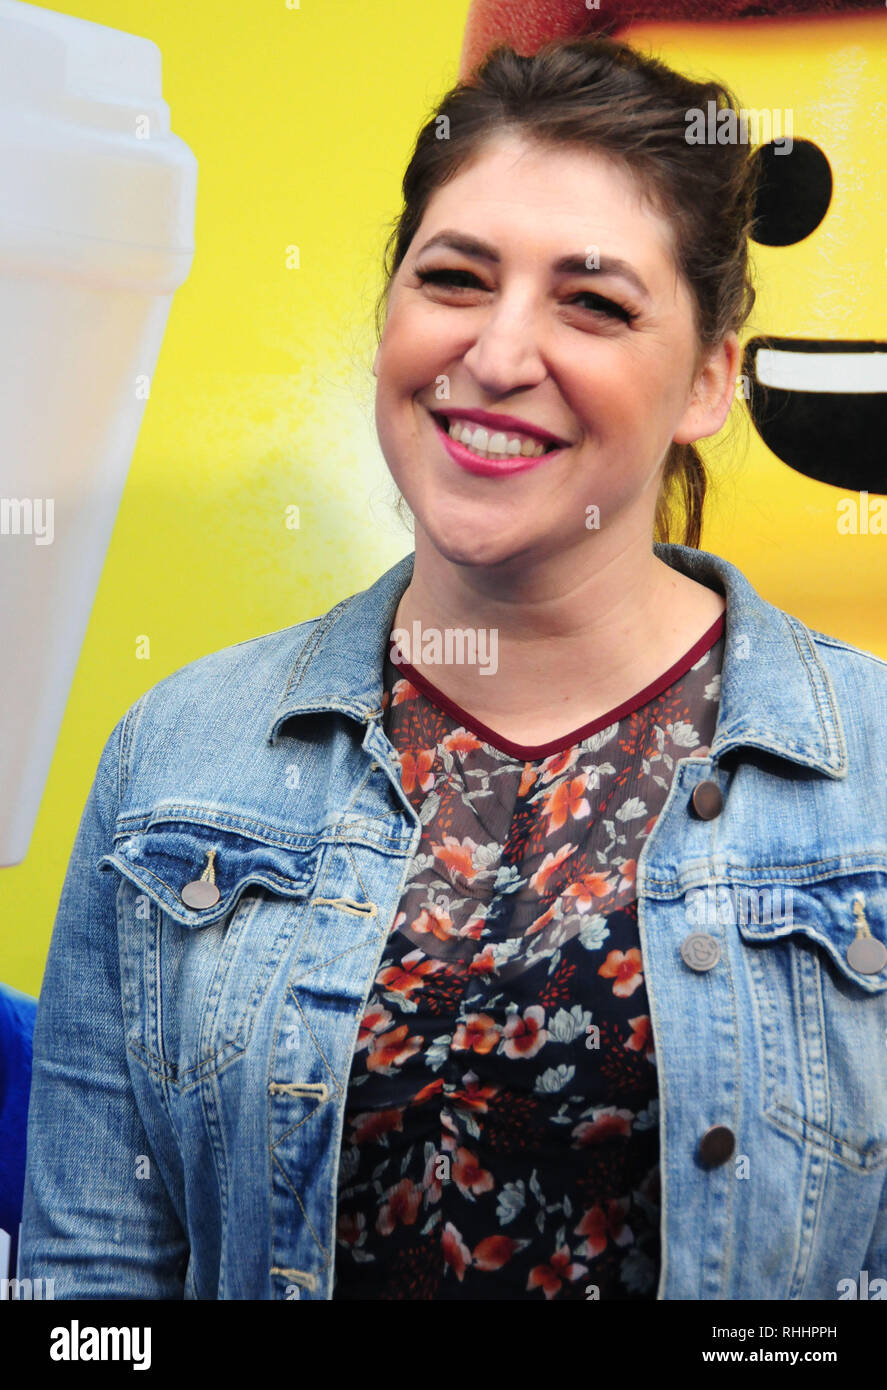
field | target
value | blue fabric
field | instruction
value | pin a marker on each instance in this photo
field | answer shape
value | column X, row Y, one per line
column 191, row 1061
column 17, row 1014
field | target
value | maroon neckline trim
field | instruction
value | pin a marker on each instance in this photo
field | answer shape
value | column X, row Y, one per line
column 530, row 753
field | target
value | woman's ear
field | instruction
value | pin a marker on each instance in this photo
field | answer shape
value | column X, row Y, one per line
column 713, row 393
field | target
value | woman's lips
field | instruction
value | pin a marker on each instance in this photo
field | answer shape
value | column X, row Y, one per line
column 490, row 467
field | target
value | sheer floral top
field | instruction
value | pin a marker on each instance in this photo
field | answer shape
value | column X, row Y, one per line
column 501, row 1132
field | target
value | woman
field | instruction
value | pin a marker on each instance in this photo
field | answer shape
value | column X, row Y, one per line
column 516, row 928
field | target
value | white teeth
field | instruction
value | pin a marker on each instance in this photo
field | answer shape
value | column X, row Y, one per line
column 497, row 445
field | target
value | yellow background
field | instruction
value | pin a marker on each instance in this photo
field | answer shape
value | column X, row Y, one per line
column 302, row 121
column 779, row 527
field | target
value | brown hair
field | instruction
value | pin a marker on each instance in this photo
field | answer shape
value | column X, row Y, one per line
column 600, row 95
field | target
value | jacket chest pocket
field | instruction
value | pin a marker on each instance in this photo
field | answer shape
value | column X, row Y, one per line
column 818, row 980
column 205, row 917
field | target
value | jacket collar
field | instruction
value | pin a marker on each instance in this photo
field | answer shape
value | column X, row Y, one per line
column 775, row 693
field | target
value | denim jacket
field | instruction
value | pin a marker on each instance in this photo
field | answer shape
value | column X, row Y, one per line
column 191, row 1058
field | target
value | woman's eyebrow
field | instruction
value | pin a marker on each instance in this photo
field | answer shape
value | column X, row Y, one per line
column 565, row 265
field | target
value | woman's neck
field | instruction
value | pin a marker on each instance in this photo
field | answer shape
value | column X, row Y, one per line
column 535, row 661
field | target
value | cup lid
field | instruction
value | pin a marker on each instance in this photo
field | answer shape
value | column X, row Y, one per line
column 86, row 149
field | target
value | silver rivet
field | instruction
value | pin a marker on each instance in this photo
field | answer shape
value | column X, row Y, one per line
column 200, row 893
column 700, row 951
column 867, row 955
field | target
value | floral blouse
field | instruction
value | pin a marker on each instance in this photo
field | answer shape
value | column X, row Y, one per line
column 501, row 1130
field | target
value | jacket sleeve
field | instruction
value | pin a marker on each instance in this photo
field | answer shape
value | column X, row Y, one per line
column 91, row 1220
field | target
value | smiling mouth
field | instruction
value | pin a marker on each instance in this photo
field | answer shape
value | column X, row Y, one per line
column 821, row 407
column 494, row 444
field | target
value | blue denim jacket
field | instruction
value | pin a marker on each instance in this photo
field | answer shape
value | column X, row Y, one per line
column 191, row 1062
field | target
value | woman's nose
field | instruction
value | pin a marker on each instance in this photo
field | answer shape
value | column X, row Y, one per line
column 506, row 355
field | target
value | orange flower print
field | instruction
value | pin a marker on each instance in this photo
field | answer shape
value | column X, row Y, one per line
column 548, row 866
column 435, row 920
column 468, row 1175
column 484, row 963
column 542, row 921
column 567, row 799
column 525, row 1034
column 373, row 1022
column 473, row 1096
column 598, row 1225
column 400, row 1207
column 551, row 1277
column 472, row 930
column 625, row 967
column 594, row 1226
column 528, row 777
column 374, row 1123
column 608, row 1123
column 461, row 741
column 477, row 1034
column 455, row 1252
column 628, row 875
column 403, row 690
column 417, row 771
column 641, row 1039
column 407, row 977
column 428, row 1092
column 392, row 1050
column 495, row 1251
column 456, row 855
column 586, row 888
column 558, row 763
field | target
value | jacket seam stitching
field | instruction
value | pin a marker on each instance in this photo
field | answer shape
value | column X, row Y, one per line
column 825, row 681
column 307, row 652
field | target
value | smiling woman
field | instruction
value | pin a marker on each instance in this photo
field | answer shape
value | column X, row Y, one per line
column 558, row 977
column 557, row 327
column 575, row 106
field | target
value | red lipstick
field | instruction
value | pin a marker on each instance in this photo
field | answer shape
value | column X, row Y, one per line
column 493, row 467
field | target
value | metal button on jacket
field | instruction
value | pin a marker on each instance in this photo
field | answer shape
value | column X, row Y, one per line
column 700, row 951
column 867, row 955
column 200, row 893
column 707, row 800
column 716, row 1146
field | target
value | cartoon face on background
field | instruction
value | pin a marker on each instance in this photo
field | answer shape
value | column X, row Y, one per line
column 799, row 500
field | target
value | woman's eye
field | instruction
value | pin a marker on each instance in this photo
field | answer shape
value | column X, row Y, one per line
column 456, row 279
column 466, row 279
column 601, row 305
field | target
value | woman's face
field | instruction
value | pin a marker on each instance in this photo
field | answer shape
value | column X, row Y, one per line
column 599, row 351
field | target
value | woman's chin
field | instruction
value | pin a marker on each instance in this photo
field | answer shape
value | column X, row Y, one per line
column 472, row 540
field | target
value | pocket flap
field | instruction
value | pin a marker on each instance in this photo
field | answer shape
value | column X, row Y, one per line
column 826, row 913
column 162, row 859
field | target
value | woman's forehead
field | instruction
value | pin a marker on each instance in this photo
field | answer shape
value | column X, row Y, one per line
column 540, row 199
